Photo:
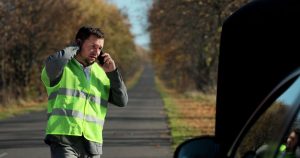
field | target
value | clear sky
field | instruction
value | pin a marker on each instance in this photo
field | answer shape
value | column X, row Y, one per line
column 137, row 11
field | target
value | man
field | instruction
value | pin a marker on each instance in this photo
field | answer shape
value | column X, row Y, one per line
column 288, row 150
column 79, row 90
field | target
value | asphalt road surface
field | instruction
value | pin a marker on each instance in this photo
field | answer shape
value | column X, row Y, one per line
column 136, row 131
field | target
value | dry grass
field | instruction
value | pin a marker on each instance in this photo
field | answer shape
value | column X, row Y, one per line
column 21, row 107
column 197, row 115
column 190, row 114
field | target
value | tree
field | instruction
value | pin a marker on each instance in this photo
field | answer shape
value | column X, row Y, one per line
column 185, row 40
column 33, row 29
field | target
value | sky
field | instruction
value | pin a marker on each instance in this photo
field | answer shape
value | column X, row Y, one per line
column 137, row 11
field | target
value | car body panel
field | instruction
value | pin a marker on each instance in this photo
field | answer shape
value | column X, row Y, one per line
column 258, row 49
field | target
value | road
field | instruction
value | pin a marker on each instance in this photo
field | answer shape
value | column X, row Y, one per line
column 138, row 130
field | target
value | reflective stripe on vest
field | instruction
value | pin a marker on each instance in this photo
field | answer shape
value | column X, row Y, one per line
column 77, row 93
column 74, row 113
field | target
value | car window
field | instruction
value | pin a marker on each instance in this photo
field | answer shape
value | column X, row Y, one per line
column 290, row 145
column 266, row 134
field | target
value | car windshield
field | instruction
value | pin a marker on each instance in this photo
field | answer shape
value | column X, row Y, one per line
column 266, row 134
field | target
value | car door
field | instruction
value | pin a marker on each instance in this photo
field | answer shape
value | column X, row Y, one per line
column 268, row 128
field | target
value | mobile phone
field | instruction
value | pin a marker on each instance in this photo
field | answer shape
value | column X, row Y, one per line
column 101, row 58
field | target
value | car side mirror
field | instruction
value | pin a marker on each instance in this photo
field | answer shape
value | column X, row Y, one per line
column 199, row 147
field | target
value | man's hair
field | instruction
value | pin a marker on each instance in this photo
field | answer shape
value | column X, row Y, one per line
column 85, row 32
column 297, row 132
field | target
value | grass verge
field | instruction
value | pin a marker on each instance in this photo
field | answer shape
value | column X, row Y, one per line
column 21, row 108
column 190, row 114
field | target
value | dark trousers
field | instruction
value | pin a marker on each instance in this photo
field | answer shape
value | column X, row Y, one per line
column 72, row 147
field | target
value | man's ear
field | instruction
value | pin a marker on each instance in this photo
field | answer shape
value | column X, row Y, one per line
column 79, row 44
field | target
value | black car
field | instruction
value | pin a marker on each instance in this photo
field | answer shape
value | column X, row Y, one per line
column 258, row 61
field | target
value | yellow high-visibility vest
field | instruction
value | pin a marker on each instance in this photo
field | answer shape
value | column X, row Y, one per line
column 77, row 106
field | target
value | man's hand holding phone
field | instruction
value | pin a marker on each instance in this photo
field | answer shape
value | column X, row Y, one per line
column 106, row 62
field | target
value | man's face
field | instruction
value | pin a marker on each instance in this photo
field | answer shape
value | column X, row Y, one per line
column 90, row 50
column 292, row 140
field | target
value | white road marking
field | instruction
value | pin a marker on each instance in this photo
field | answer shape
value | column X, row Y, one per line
column 3, row 154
